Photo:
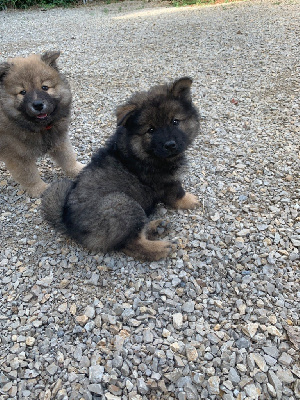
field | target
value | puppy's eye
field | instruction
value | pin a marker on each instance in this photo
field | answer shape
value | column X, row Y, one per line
column 175, row 122
column 45, row 88
column 150, row 130
column 23, row 92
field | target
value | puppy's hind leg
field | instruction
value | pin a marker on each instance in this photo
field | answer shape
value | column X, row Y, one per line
column 117, row 222
column 145, row 249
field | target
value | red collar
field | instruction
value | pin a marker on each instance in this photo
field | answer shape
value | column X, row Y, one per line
column 48, row 127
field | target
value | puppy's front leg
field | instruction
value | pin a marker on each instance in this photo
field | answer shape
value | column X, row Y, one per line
column 26, row 173
column 65, row 156
column 188, row 202
column 176, row 197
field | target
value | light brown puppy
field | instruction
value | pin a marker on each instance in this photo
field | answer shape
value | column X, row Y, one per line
column 35, row 102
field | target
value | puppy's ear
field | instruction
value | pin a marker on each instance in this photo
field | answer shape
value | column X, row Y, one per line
column 4, row 68
column 181, row 88
column 124, row 112
column 50, row 57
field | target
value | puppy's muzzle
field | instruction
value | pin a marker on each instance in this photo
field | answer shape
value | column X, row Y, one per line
column 171, row 147
column 37, row 106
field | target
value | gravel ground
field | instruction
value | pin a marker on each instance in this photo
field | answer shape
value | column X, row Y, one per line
column 220, row 317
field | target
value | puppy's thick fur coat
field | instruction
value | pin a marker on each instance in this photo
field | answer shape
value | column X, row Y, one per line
column 107, row 206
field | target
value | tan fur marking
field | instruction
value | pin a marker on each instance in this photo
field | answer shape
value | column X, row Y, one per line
column 146, row 249
column 151, row 229
column 153, row 225
column 187, row 202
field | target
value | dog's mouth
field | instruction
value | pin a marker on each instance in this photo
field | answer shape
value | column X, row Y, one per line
column 171, row 156
column 167, row 157
column 42, row 116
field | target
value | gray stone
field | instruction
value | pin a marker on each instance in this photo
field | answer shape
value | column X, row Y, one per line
column 261, row 377
column 84, row 362
column 276, row 383
column 78, row 352
column 3, row 379
column 98, row 321
column 94, row 279
column 90, row 312
column 177, row 320
column 46, row 281
column 252, row 391
column 148, row 336
column 271, row 351
column 30, row 373
column 62, row 395
column 270, row 360
column 127, row 314
column 213, row 338
column 285, row 359
column 271, row 390
column 233, row 376
column 117, row 361
column 191, row 392
column 228, row 396
column 182, row 396
column 111, row 396
column 297, row 389
column 6, row 387
column 243, row 343
column 141, row 386
column 125, row 369
column 285, row 375
column 96, row 373
column 189, row 306
column 183, row 381
column 51, row 369
column 174, row 376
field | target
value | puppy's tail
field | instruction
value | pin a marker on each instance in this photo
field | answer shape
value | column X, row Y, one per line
column 53, row 203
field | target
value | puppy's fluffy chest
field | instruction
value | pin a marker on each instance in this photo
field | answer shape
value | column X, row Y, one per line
column 26, row 141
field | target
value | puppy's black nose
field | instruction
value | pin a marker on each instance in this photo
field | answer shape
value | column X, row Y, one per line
column 38, row 105
column 170, row 145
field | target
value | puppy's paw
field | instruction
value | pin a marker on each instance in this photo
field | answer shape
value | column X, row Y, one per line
column 36, row 190
column 145, row 249
column 188, row 202
column 162, row 249
column 77, row 167
column 156, row 228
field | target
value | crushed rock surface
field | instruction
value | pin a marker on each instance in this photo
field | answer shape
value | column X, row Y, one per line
column 220, row 317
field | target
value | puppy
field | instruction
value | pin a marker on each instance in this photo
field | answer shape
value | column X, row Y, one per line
column 108, row 205
column 35, row 102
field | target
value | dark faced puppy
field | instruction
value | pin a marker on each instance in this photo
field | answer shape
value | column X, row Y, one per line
column 35, row 103
column 108, row 205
